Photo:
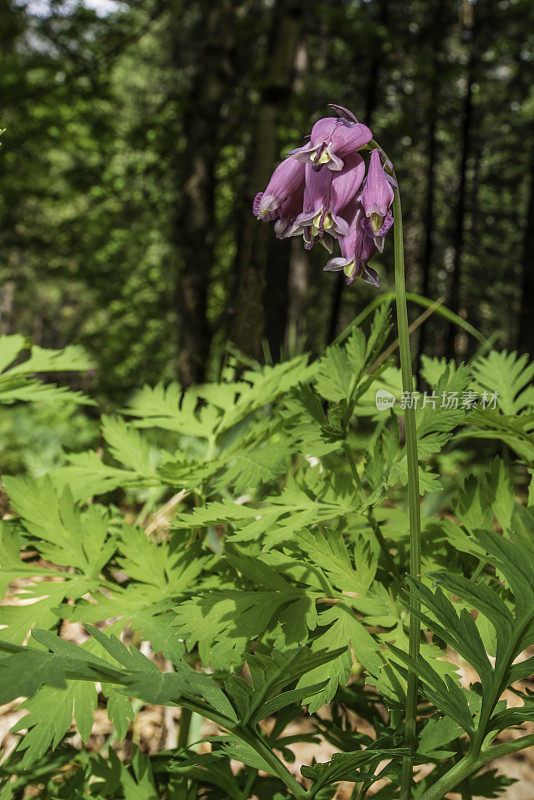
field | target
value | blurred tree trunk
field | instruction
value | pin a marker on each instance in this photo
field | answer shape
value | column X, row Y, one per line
column 295, row 329
column 428, row 215
column 7, row 295
column 459, row 232
column 371, row 102
column 475, row 265
column 194, row 218
column 525, row 341
column 284, row 274
column 298, row 286
column 248, row 324
column 276, row 295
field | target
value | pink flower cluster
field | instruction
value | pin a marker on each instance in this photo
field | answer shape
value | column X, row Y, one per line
column 323, row 192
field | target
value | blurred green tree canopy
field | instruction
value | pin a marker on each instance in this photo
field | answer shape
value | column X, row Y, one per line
column 138, row 132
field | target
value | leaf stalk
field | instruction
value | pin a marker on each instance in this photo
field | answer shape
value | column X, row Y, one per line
column 472, row 763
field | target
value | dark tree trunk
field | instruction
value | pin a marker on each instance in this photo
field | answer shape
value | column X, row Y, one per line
column 525, row 341
column 193, row 233
column 276, row 295
column 371, row 101
column 476, row 266
column 428, row 215
column 248, row 324
column 295, row 323
column 298, row 285
column 335, row 307
column 7, row 296
column 284, row 275
column 459, row 233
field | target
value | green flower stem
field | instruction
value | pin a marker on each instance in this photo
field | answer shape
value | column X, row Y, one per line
column 276, row 766
column 410, row 737
column 472, row 763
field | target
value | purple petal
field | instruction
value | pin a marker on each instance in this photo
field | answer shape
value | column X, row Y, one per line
column 370, row 225
column 350, row 243
column 322, row 130
column 256, row 204
column 336, row 264
column 345, row 184
column 335, row 164
column 370, row 276
column 289, row 212
column 265, row 216
column 367, row 249
column 348, row 138
column 301, row 153
column 340, row 226
column 317, row 189
column 286, row 179
column 377, row 194
column 327, row 242
column 331, row 139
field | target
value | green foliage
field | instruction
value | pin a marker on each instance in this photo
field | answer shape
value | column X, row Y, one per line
column 35, row 438
column 92, row 203
column 511, row 616
column 18, row 381
column 251, row 535
column 239, row 548
column 510, row 377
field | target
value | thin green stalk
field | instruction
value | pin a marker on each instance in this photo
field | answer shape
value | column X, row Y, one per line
column 256, row 742
column 446, row 313
column 276, row 766
column 251, row 780
column 465, row 790
column 471, row 764
column 410, row 737
column 366, row 785
column 185, row 727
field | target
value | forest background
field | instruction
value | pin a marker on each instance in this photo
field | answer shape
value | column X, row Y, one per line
column 137, row 133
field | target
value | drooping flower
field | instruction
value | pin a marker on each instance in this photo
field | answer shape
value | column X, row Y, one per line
column 337, row 203
column 331, row 139
column 376, row 198
column 326, row 194
column 356, row 250
column 287, row 178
